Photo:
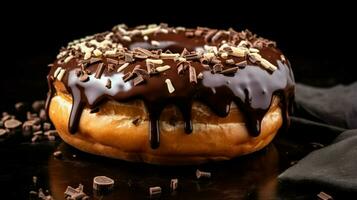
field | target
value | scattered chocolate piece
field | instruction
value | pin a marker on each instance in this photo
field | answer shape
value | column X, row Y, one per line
column 202, row 174
column 12, row 123
column 200, row 76
column 324, row 196
column 155, row 190
column 99, row 71
column 35, row 138
column 19, row 106
column 38, row 105
column 43, row 115
column 103, row 183
column 3, row 132
column 174, row 184
column 75, row 194
column 57, row 154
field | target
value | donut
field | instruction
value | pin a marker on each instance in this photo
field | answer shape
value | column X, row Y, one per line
column 170, row 95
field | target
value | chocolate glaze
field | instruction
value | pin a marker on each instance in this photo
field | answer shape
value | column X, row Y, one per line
column 251, row 87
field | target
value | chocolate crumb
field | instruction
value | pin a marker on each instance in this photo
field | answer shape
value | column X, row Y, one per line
column 3, row 132
column 108, row 84
column 136, row 121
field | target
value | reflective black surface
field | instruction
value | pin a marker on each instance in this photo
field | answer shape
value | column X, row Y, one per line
column 249, row 177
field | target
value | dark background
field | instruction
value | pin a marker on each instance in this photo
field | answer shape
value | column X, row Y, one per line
column 317, row 39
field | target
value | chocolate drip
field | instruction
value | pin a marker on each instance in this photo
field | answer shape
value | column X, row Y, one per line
column 251, row 88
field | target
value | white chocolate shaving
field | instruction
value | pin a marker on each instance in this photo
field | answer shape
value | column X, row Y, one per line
column 155, row 61
column 169, row 55
column 61, row 74
column 110, row 52
column 87, row 55
column 57, row 71
column 208, row 56
column 97, row 52
column 68, row 59
column 149, row 30
column 163, row 68
column 170, row 87
column 126, row 38
column 239, row 51
column 146, row 38
column 224, row 55
column 253, row 50
column 155, row 43
column 121, row 68
column 267, row 65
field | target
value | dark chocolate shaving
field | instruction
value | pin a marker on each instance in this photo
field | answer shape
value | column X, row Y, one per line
column 99, row 71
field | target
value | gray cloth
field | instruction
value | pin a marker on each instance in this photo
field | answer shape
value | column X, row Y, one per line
column 329, row 111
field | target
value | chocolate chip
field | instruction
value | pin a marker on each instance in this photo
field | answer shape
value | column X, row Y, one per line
column 12, row 123
column 128, row 76
column 94, row 60
column 46, row 126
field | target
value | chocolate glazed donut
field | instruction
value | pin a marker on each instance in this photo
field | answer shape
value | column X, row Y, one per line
column 165, row 66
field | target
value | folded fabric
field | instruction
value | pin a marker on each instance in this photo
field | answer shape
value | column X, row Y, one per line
column 332, row 113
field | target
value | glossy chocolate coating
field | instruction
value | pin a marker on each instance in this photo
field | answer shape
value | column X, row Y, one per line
column 251, row 87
